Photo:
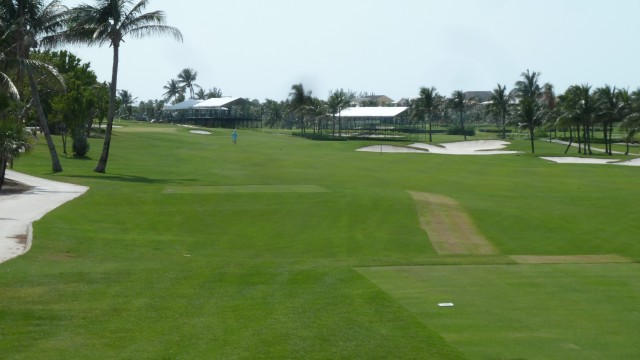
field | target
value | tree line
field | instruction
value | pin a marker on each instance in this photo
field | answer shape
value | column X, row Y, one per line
column 186, row 80
column 529, row 105
column 59, row 93
column 28, row 74
column 533, row 106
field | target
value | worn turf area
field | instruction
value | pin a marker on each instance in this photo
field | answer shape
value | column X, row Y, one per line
column 449, row 227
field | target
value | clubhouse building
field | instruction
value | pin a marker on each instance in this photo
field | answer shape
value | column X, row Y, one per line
column 224, row 112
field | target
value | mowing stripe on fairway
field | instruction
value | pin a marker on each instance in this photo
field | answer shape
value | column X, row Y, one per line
column 527, row 311
column 244, row 189
column 570, row 259
column 450, row 229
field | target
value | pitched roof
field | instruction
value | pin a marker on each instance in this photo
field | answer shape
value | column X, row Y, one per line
column 373, row 111
column 183, row 105
column 216, row 102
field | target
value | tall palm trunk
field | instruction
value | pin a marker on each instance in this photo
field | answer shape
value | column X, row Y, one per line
column 611, row 138
column 606, row 143
column 102, row 163
column 587, row 138
column 570, row 139
column 579, row 139
column 464, row 132
column 3, row 170
column 35, row 96
column 531, row 135
column 430, row 129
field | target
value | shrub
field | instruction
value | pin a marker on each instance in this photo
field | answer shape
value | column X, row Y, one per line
column 457, row 130
column 80, row 145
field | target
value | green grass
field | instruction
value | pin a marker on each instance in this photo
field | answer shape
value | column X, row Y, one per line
column 562, row 311
column 191, row 247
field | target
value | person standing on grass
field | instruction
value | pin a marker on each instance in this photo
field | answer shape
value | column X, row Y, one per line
column 234, row 136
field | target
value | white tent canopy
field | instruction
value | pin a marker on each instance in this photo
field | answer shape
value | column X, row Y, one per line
column 373, row 111
column 215, row 102
column 187, row 104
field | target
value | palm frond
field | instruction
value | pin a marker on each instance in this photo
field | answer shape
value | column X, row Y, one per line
column 11, row 88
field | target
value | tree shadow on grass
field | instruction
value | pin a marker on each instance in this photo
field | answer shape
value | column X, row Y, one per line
column 133, row 179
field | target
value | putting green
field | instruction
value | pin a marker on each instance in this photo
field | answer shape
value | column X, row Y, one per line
column 563, row 311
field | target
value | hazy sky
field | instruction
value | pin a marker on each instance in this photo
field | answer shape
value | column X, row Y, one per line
column 259, row 48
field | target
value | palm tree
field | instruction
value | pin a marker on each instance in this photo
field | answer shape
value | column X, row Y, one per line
column 568, row 117
column 109, row 22
column 316, row 113
column 28, row 24
column 126, row 100
column 338, row 100
column 612, row 107
column 578, row 108
column 187, row 78
column 428, row 102
column 200, row 94
column 14, row 141
column 529, row 110
column 587, row 110
column 458, row 102
column 631, row 122
column 174, row 90
column 272, row 112
column 501, row 105
column 300, row 101
column 214, row 92
column 549, row 97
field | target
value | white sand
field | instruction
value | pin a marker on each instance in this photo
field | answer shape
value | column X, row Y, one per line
column 574, row 144
column 576, row 160
column 19, row 211
column 579, row 160
column 201, row 132
column 390, row 149
column 477, row 147
column 633, row 162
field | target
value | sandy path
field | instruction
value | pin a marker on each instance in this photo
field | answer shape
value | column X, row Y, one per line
column 19, row 211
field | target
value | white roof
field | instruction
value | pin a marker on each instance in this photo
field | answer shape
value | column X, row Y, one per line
column 183, row 105
column 215, row 102
column 373, row 111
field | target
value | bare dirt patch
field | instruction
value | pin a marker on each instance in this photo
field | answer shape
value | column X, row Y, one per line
column 22, row 239
column 449, row 227
column 570, row 259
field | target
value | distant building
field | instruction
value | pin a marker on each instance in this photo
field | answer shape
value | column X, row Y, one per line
column 480, row 96
column 405, row 101
column 378, row 121
column 373, row 100
column 229, row 112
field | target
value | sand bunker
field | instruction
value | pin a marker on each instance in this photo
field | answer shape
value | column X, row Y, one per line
column 477, row 147
column 579, row 160
column 200, row 132
column 390, row 149
column 18, row 211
